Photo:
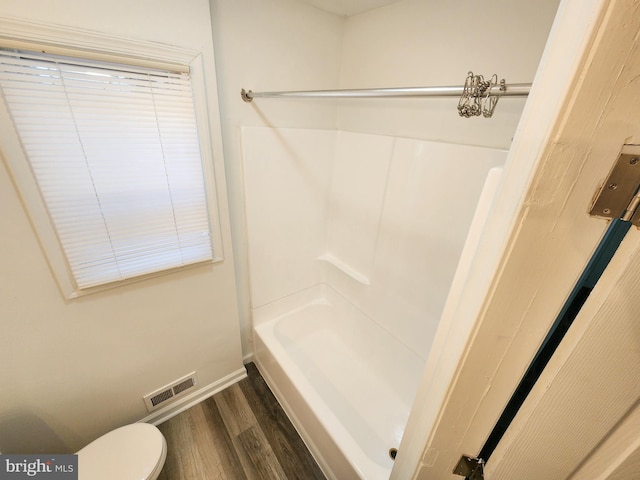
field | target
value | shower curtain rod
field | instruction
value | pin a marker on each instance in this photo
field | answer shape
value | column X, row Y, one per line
column 510, row 90
column 477, row 96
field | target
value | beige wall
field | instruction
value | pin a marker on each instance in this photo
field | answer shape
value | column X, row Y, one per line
column 416, row 43
column 73, row 369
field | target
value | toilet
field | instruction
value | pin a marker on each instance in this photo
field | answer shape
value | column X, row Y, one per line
column 132, row 452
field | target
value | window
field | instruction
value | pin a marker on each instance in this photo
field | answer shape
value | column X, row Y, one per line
column 115, row 153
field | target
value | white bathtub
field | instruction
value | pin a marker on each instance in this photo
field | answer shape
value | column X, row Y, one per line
column 345, row 382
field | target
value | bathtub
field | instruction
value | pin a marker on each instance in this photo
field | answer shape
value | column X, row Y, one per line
column 345, row 382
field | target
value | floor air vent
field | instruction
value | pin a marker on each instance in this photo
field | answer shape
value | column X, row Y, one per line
column 170, row 392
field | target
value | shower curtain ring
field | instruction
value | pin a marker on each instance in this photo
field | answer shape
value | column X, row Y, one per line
column 490, row 100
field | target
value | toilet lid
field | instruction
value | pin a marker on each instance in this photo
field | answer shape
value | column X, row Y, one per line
column 132, row 452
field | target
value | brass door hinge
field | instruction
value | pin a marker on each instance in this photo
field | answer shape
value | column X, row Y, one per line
column 470, row 467
column 619, row 197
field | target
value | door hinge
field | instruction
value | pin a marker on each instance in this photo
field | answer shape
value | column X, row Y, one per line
column 470, row 467
column 619, row 197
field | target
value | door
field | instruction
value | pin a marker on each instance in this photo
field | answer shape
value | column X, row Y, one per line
column 582, row 109
column 582, row 418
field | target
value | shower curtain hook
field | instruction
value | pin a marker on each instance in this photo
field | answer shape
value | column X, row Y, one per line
column 468, row 105
column 491, row 99
column 478, row 96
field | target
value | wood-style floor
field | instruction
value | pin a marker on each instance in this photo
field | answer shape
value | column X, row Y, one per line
column 239, row 433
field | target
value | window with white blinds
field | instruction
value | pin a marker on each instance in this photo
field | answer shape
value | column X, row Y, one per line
column 115, row 153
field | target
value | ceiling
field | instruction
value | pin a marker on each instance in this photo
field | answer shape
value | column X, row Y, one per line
column 348, row 7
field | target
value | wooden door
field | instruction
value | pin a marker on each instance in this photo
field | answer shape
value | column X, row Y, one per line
column 582, row 419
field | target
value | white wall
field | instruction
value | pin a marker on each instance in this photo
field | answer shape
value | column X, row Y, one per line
column 269, row 45
column 436, row 42
column 73, row 369
column 381, row 219
column 287, row 175
column 407, row 235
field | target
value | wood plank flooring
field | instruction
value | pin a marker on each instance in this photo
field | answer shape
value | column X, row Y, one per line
column 239, row 433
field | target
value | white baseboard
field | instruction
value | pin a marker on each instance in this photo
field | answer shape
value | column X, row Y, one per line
column 248, row 358
column 179, row 406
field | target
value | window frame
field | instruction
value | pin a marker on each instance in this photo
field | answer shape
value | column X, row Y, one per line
column 89, row 45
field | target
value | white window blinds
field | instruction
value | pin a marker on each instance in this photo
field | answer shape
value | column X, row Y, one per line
column 116, row 156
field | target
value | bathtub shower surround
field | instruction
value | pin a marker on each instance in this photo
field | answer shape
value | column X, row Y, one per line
column 354, row 240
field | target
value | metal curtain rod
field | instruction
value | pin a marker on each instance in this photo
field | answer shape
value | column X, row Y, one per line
column 511, row 90
column 477, row 96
